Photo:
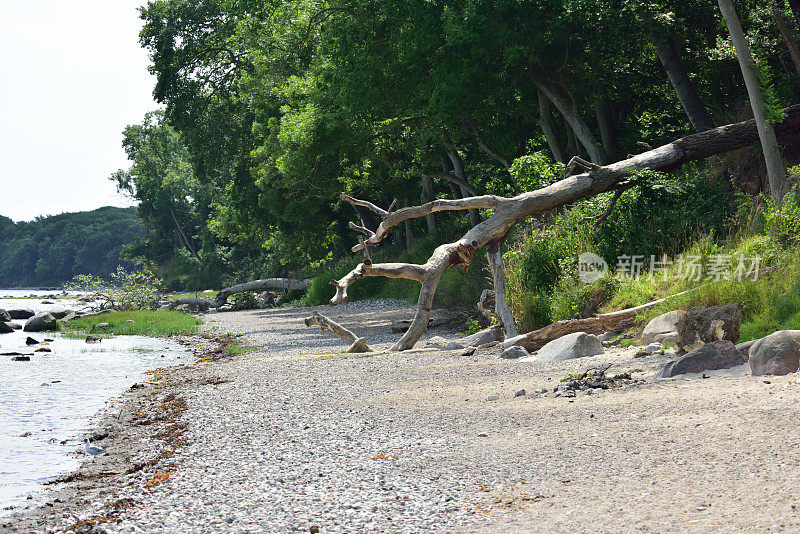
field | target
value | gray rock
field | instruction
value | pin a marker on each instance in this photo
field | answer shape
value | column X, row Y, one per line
column 15, row 326
column 512, row 353
column 41, row 322
column 776, row 354
column 716, row 355
column 4, row 317
column 21, row 315
column 454, row 345
column 653, row 347
column 663, row 324
column 489, row 335
column 483, row 435
column 30, row 341
column 520, row 393
column 608, row 336
column 577, row 345
column 59, row 314
column 5, row 328
column 744, row 348
column 469, row 351
column 21, row 359
column 492, row 398
column 672, row 338
column 710, row 324
column 437, row 342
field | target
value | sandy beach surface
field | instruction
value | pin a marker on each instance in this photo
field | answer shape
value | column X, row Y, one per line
column 296, row 436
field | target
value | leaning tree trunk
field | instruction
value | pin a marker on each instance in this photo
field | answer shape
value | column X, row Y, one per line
column 507, row 212
column 683, row 86
column 427, row 196
column 570, row 114
column 458, row 170
column 548, row 125
column 776, row 171
column 788, row 35
column 605, row 121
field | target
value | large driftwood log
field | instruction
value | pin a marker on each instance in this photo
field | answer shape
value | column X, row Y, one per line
column 256, row 285
column 357, row 344
column 507, row 212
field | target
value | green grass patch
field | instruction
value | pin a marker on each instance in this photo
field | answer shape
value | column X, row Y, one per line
column 158, row 323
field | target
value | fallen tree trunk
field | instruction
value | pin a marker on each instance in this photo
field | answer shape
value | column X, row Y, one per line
column 357, row 344
column 592, row 325
column 507, row 212
column 256, row 285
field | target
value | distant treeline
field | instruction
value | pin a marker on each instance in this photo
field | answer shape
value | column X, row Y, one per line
column 51, row 250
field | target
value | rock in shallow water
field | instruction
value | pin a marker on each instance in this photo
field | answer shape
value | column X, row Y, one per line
column 41, row 322
column 4, row 316
column 5, row 328
column 21, row 314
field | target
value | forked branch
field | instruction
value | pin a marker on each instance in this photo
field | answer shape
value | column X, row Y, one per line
column 592, row 180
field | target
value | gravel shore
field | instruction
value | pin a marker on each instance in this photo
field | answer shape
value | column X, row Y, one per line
column 295, row 436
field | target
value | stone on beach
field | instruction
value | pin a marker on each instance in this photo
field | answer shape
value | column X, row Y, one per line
column 41, row 322
column 707, row 325
column 776, row 354
column 512, row 353
column 577, row 345
column 665, row 325
column 711, row 356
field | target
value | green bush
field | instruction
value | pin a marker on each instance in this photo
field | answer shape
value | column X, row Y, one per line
column 783, row 224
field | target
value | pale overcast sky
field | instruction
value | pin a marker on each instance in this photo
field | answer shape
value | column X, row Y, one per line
column 72, row 76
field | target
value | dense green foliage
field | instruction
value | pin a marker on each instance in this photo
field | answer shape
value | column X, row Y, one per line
column 49, row 251
column 273, row 108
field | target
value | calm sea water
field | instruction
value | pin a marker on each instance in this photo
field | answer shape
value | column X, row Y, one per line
column 47, row 404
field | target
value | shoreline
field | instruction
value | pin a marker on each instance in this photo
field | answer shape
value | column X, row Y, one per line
column 142, row 426
column 297, row 435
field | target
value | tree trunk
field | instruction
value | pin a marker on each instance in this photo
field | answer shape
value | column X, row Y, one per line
column 255, row 285
column 776, row 171
column 548, row 124
column 357, row 344
column 788, row 36
column 608, row 133
column 570, row 114
column 507, row 212
column 458, row 170
column 679, row 78
column 495, row 256
column 427, row 196
column 183, row 235
column 409, row 229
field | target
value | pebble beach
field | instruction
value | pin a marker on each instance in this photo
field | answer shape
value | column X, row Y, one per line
column 295, row 436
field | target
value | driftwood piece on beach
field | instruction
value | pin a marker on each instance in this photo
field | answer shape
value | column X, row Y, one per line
column 357, row 344
column 606, row 322
column 508, row 212
column 256, row 285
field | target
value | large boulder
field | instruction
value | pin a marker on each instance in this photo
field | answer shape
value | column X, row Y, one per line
column 41, row 322
column 716, row 355
column 5, row 327
column 59, row 314
column 577, row 345
column 665, row 325
column 4, row 316
column 776, row 354
column 21, row 314
column 707, row 325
